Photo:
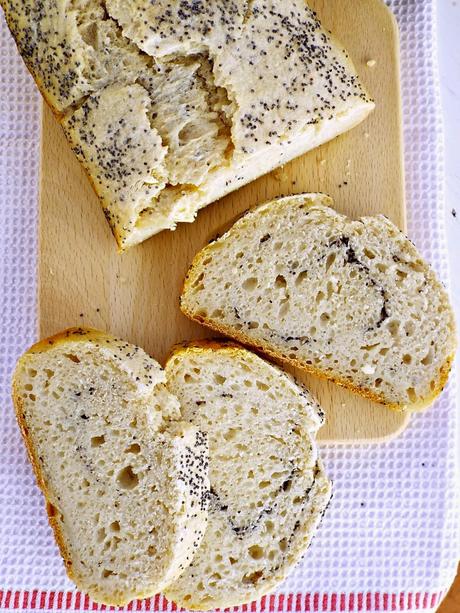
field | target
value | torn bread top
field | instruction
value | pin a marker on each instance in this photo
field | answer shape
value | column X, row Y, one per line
column 171, row 105
column 280, row 69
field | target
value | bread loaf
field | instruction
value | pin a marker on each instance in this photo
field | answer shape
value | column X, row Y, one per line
column 268, row 487
column 349, row 300
column 171, row 105
column 125, row 480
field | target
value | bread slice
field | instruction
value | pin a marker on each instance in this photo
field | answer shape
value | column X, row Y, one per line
column 352, row 301
column 125, row 480
column 215, row 95
column 268, row 487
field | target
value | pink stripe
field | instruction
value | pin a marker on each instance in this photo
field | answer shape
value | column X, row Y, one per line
column 25, row 600
column 308, row 603
column 298, row 603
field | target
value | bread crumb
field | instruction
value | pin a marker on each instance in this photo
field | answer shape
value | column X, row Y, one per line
column 322, row 162
column 371, row 63
column 366, row 135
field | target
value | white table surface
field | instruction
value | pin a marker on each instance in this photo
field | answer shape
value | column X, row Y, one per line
column 449, row 68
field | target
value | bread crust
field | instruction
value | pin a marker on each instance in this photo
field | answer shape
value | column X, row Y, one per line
column 262, row 346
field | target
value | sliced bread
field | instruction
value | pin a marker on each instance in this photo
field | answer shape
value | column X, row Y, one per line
column 268, row 487
column 125, row 480
column 349, row 300
column 171, row 105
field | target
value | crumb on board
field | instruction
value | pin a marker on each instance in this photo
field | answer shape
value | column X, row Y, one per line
column 371, row 63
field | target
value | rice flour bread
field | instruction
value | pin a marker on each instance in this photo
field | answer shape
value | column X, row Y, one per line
column 125, row 479
column 268, row 487
column 171, row 105
column 349, row 300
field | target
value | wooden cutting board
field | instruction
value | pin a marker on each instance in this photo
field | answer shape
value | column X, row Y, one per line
column 83, row 280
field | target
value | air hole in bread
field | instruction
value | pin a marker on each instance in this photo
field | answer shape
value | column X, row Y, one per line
column 369, row 254
column 301, row 277
column 393, row 327
column 28, row 387
column 262, row 386
column 247, row 383
column 283, row 544
column 127, row 478
column 217, row 314
column 72, row 357
column 151, row 551
column 428, row 359
column 101, row 535
column 263, row 484
column 49, row 373
column 134, row 448
column 219, row 379
column 324, row 318
column 97, row 441
column 256, row 552
column 252, row 577
column 320, row 296
column 250, row 284
column 107, row 573
column 188, row 378
column 32, row 372
column 381, row 267
column 407, row 359
column 280, row 282
column 330, row 260
column 412, row 394
column 230, row 434
column 378, row 382
column 409, row 328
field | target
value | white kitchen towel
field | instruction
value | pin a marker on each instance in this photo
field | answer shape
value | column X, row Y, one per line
column 390, row 540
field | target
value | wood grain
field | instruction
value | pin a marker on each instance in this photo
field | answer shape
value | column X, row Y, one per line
column 451, row 603
column 83, row 280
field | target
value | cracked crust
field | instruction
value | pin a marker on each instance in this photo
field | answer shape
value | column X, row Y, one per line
column 219, row 114
column 197, row 305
